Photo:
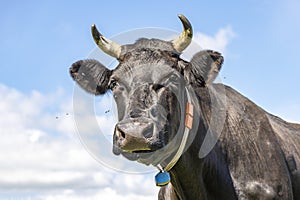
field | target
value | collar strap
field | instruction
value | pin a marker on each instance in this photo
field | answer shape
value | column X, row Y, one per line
column 188, row 123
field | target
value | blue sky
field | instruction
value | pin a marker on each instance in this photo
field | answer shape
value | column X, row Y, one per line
column 40, row 39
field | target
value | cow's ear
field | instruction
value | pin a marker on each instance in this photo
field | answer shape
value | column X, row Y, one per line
column 204, row 67
column 91, row 75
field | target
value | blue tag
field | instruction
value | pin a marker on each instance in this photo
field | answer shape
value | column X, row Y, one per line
column 162, row 179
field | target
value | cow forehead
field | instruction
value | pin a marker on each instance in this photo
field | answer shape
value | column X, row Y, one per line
column 151, row 44
column 144, row 73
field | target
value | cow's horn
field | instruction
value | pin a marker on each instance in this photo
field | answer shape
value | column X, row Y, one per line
column 185, row 38
column 111, row 48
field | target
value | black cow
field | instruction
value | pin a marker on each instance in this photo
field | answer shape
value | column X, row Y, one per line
column 167, row 117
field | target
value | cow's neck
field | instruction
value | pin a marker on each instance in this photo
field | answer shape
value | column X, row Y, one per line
column 186, row 175
column 201, row 178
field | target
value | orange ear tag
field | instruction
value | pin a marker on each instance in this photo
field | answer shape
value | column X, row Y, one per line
column 189, row 113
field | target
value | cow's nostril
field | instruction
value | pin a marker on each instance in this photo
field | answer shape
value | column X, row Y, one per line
column 120, row 134
column 148, row 132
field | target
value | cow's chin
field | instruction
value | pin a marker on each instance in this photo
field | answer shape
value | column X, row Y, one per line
column 142, row 156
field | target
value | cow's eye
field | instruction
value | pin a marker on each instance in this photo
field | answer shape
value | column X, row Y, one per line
column 113, row 84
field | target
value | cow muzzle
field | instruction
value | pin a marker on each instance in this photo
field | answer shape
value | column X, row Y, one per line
column 134, row 136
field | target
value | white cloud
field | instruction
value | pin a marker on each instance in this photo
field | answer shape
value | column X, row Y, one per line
column 103, row 194
column 218, row 42
column 42, row 158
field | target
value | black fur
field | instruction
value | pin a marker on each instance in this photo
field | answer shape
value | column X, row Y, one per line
column 204, row 67
column 248, row 161
column 91, row 75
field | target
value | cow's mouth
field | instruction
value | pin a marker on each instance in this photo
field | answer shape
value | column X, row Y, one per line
column 118, row 150
column 142, row 155
column 142, row 151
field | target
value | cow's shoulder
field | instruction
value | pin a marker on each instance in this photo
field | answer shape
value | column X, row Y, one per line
column 254, row 154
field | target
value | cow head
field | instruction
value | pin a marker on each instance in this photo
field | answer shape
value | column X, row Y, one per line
column 148, row 86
